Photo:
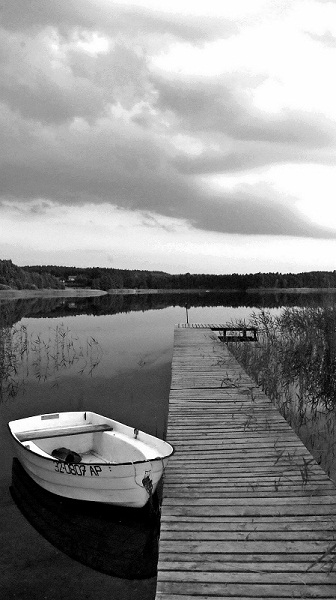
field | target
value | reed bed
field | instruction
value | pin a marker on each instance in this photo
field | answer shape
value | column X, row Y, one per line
column 25, row 355
column 294, row 361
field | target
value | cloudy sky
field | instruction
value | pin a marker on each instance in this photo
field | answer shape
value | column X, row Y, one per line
column 178, row 135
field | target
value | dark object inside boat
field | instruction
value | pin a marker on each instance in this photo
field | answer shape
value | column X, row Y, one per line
column 66, row 455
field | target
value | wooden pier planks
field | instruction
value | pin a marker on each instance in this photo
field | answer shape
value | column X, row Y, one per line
column 247, row 512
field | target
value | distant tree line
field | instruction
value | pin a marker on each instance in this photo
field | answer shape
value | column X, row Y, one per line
column 106, row 278
column 49, row 276
column 14, row 277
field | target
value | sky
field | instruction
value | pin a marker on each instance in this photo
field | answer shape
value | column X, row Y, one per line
column 175, row 135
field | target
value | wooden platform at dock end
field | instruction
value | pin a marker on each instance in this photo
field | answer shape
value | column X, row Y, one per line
column 247, row 512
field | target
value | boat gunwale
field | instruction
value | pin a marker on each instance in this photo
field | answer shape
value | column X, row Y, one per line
column 107, row 464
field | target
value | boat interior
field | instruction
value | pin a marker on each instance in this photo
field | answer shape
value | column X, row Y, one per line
column 92, row 447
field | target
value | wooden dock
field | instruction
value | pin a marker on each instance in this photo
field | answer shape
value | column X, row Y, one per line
column 247, row 512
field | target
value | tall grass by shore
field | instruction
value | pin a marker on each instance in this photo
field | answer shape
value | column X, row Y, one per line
column 25, row 355
column 294, row 361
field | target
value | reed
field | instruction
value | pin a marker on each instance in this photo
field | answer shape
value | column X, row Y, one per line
column 294, row 361
column 25, row 355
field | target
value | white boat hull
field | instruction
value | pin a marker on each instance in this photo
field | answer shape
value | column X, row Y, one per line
column 129, row 480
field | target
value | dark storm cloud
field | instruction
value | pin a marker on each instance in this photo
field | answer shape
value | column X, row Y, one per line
column 249, row 155
column 240, row 213
column 132, row 172
column 48, row 104
column 109, row 17
column 218, row 106
column 79, row 86
column 99, row 166
column 81, row 128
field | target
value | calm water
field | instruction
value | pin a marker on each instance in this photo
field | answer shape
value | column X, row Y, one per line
column 111, row 355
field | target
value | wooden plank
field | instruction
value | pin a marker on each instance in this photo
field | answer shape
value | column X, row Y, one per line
column 247, row 512
column 249, row 525
column 282, row 590
column 241, row 546
column 169, row 596
column 187, row 536
column 220, row 564
column 38, row 434
column 247, row 577
column 243, row 561
column 244, row 521
column 205, row 502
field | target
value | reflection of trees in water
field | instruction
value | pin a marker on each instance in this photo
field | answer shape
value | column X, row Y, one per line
column 14, row 310
column 295, row 363
column 42, row 357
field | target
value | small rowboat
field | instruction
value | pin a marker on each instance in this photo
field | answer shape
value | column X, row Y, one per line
column 85, row 456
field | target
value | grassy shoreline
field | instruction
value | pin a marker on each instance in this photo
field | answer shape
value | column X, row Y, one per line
column 14, row 294
column 49, row 293
column 302, row 290
column 294, row 362
column 85, row 292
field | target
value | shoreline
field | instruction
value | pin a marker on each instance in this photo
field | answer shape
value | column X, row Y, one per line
column 302, row 290
column 13, row 294
column 50, row 293
column 140, row 291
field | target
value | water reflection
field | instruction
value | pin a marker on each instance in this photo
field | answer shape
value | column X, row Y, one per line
column 117, row 541
column 13, row 311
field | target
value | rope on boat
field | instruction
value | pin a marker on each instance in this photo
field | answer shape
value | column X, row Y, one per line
column 146, row 483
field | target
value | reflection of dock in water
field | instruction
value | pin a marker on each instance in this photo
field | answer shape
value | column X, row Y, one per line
column 122, row 542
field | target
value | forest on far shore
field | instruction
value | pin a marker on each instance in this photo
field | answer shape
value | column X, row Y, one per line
column 56, row 277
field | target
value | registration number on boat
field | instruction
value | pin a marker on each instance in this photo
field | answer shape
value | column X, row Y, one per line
column 77, row 469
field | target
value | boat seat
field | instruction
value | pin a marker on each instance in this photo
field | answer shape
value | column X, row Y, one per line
column 39, row 434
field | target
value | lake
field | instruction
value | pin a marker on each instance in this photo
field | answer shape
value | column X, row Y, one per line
column 112, row 355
